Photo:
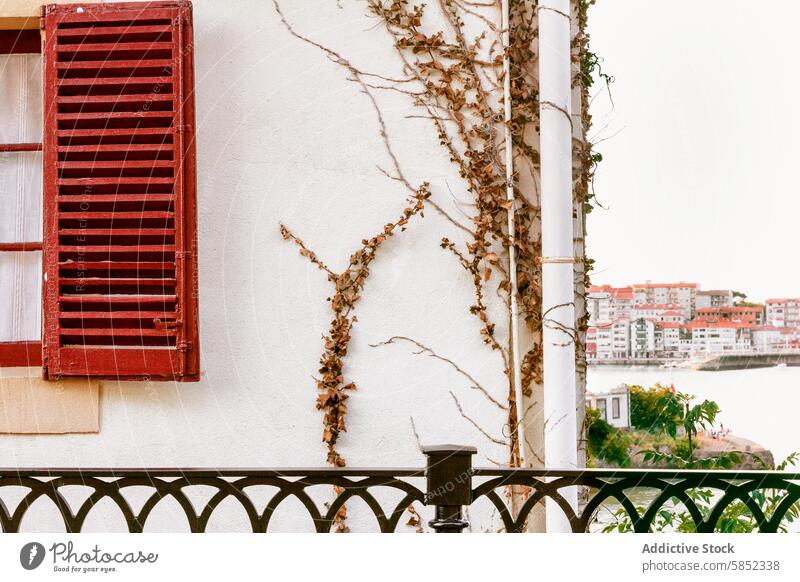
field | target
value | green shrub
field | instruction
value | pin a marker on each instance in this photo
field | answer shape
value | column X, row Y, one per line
column 649, row 405
column 605, row 441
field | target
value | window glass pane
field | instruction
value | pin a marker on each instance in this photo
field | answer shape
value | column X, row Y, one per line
column 20, row 196
column 601, row 406
column 20, row 296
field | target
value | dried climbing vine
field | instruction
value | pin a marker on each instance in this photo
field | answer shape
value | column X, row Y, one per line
column 456, row 81
column 348, row 286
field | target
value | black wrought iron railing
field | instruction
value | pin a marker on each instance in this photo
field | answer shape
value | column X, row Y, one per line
column 447, row 487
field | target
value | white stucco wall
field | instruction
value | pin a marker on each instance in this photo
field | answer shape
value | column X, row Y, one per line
column 283, row 136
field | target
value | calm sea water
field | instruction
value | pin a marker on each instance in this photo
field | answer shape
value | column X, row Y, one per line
column 762, row 405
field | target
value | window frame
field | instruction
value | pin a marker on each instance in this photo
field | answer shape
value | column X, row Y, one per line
column 20, row 36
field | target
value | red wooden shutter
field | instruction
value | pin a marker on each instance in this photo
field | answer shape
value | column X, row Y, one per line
column 120, row 250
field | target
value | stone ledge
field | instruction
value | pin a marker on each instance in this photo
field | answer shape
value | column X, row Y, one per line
column 31, row 405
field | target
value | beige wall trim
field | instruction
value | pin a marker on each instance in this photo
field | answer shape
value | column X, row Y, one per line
column 35, row 406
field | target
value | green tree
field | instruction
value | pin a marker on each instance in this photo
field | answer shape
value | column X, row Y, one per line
column 606, row 442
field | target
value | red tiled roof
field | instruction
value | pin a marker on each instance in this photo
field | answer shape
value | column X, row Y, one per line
column 735, row 309
column 607, row 289
column 717, row 324
column 669, row 285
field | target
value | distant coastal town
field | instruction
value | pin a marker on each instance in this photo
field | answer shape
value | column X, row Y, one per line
column 677, row 324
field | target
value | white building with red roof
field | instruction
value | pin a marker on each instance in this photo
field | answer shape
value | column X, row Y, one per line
column 770, row 338
column 673, row 340
column 783, row 312
column 606, row 303
column 612, row 340
column 720, row 337
column 659, row 312
column 684, row 294
column 752, row 314
column 714, row 298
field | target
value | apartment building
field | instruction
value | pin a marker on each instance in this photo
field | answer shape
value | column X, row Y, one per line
column 714, row 298
column 783, row 312
column 643, row 338
column 612, row 340
column 684, row 294
column 659, row 312
column 606, row 303
column 768, row 338
column 751, row 315
column 673, row 340
column 720, row 337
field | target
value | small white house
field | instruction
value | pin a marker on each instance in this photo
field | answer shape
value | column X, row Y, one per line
column 614, row 405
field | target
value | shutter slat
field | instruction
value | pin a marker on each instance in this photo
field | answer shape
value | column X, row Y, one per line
column 116, row 147
column 133, row 299
column 92, row 82
column 113, row 47
column 115, row 281
column 117, row 314
column 138, row 67
column 92, row 30
column 79, row 215
column 118, row 164
column 99, row 181
column 117, row 248
column 79, row 116
column 108, row 131
column 120, row 198
column 93, row 99
column 97, row 15
column 119, row 265
column 117, row 231
column 114, row 331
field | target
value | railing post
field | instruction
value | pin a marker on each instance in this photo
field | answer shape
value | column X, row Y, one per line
column 449, row 485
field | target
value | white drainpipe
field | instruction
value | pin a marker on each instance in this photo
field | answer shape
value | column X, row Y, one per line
column 558, row 290
column 512, row 251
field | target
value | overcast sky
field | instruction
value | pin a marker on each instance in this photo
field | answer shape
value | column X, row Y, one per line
column 702, row 148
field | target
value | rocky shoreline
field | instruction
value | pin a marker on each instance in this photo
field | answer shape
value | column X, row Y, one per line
column 708, row 446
